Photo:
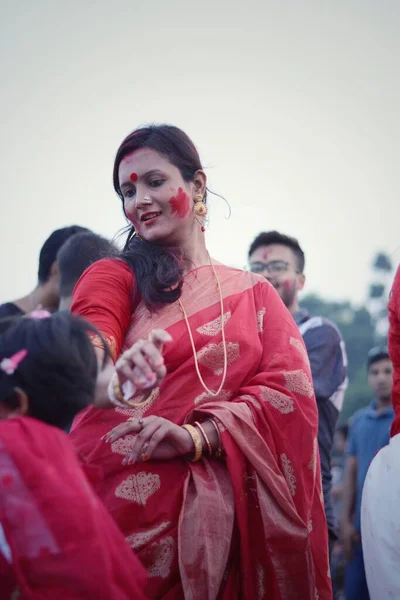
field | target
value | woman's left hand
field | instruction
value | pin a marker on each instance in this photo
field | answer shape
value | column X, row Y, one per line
column 157, row 438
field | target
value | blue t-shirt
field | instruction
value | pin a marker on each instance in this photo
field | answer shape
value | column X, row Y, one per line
column 369, row 432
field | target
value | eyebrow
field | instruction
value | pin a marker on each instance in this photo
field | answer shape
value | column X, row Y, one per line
column 129, row 183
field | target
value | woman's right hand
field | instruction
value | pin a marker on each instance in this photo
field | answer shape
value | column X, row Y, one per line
column 143, row 364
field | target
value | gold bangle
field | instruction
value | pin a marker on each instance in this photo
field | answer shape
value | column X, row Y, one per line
column 117, row 390
column 205, row 437
column 198, row 446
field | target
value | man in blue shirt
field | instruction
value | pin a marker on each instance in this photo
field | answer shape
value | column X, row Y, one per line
column 369, row 432
column 281, row 260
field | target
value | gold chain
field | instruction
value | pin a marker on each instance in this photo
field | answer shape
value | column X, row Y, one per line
column 210, row 392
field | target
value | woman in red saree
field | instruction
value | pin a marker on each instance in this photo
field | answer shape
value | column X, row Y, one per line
column 247, row 524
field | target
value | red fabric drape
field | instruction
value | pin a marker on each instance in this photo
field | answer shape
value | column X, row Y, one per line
column 61, row 541
column 394, row 349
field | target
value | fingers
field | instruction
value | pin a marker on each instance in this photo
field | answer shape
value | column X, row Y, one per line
column 142, row 442
column 129, row 426
column 143, row 364
column 159, row 337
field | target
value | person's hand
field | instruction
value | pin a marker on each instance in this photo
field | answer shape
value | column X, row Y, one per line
column 350, row 538
column 156, row 439
column 143, row 364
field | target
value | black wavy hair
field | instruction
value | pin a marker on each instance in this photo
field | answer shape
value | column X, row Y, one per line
column 267, row 238
column 157, row 269
column 77, row 254
column 48, row 252
column 59, row 371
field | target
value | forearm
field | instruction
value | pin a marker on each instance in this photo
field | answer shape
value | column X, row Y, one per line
column 349, row 493
column 101, row 399
column 212, row 436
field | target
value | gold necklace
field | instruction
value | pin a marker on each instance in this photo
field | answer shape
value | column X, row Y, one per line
column 210, row 392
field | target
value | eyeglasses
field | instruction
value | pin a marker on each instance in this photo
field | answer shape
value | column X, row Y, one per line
column 274, row 267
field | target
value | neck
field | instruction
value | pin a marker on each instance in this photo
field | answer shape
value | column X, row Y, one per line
column 194, row 252
column 294, row 307
column 39, row 297
column 384, row 402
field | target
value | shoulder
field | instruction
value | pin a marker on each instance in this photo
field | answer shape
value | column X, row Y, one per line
column 323, row 327
column 247, row 278
column 9, row 309
column 112, row 271
column 358, row 417
column 27, row 432
column 109, row 266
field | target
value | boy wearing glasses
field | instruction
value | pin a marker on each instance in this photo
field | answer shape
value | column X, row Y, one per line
column 280, row 259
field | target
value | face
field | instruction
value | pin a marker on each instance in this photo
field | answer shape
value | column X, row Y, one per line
column 278, row 264
column 380, row 378
column 157, row 201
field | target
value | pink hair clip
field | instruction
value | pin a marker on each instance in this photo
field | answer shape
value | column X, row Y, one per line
column 10, row 365
column 39, row 314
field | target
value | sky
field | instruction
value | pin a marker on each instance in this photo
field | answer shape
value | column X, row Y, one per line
column 292, row 105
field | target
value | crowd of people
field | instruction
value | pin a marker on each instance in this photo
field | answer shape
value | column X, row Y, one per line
column 169, row 424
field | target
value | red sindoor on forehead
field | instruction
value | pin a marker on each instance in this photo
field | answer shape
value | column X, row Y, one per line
column 133, row 177
column 266, row 253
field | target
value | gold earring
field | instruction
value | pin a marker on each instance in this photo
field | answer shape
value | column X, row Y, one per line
column 200, row 207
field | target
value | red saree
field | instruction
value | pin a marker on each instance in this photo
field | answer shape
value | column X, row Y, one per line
column 253, row 527
column 57, row 541
column 394, row 349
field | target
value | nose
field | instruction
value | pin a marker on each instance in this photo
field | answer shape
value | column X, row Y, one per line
column 143, row 200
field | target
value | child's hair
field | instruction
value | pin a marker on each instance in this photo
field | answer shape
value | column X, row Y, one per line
column 59, row 371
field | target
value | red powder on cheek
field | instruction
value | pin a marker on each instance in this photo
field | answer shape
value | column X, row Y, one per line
column 133, row 177
column 180, row 203
column 133, row 221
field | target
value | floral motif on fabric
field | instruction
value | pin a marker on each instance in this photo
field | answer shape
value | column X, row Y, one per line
column 224, row 395
column 252, row 400
column 310, row 526
column 212, row 356
column 98, row 343
column 313, row 460
column 277, row 400
column 289, row 474
column 260, row 319
column 123, row 445
column 300, row 347
column 316, row 597
column 163, row 552
column 298, row 382
column 138, row 488
column 141, row 405
column 214, row 327
column 139, row 540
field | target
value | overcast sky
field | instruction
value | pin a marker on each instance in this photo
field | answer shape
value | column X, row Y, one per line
column 292, row 105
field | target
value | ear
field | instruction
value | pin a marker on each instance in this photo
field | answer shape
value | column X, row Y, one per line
column 54, row 272
column 20, row 408
column 199, row 183
column 301, row 280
